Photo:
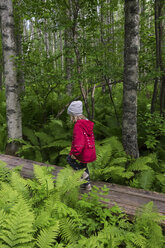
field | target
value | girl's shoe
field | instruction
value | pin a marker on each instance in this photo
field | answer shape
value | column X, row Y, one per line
column 88, row 187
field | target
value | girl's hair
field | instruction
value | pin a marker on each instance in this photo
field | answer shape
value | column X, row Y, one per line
column 79, row 117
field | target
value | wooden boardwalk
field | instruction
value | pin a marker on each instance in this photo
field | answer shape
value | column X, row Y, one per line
column 127, row 198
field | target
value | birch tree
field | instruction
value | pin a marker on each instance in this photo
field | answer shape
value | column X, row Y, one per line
column 129, row 127
column 13, row 110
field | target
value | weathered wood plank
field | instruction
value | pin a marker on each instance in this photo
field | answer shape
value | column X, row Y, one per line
column 127, row 198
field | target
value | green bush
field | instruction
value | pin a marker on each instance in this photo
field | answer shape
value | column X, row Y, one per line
column 45, row 212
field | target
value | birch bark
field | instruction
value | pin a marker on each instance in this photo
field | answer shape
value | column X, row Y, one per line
column 13, row 110
column 129, row 128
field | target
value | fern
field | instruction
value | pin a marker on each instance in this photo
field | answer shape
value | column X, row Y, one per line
column 47, row 237
column 4, row 172
column 58, row 143
column 45, row 144
column 140, row 164
column 146, row 179
column 147, row 223
column 161, row 179
column 115, row 144
column 8, row 196
column 116, row 173
column 111, row 162
column 17, row 228
column 69, row 230
column 44, row 138
column 134, row 240
column 30, row 134
column 20, row 185
column 68, row 179
column 65, row 151
column 44, row 177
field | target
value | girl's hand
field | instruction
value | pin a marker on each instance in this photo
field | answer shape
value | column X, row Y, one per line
column 73, row 157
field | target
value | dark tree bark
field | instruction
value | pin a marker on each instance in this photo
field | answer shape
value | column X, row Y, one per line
column 159, row 66
column 129, row 127
column 160, row 8
column 13, row 110
column 1, row 61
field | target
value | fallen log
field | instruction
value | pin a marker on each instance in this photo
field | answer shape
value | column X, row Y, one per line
column 127, row 198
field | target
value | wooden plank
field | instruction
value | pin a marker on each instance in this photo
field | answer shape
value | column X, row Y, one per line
column 127, row 198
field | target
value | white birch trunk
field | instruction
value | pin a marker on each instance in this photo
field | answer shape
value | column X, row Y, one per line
column 129, row 129
column 13, row 110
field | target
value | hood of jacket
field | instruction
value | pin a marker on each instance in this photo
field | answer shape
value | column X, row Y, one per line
column 86, row 125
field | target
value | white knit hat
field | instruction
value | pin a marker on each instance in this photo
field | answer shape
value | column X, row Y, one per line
column 75, row 108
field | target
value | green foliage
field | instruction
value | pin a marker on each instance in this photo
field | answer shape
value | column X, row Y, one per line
column 46, row 143
column 3, row 126
column 55, row 221
column 111, row 161
column 4, row 172
column 17, row 227
column 114, row 166
column 147, row 223
column 47, row 236
column 151, row 130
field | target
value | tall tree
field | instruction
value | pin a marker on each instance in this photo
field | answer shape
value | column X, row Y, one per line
column 13, row 110
column 1, row 60
column 158, row 7
column 18, row 23
column 129, row 127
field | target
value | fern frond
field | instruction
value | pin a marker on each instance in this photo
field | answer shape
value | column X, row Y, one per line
column 47, row 237
column 117, row 161
column 43, row 219
column 104, row 154
column 30, row 134
column 116, row 172
column 68, row 230
column 58, row 143
column 134, row 240
column 8, row 196
column 44, row 177
column 146, row 179
column 111, row 236
column 4, row 172
column 161, row 180
column 65, row 151
column 44, row 138
column 140, row 164
column 115, row 144
column 147, row 223
column 2, row 217
column 20, row 185
column 17, row 228
column 68, row 179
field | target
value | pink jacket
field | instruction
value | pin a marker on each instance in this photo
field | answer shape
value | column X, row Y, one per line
column 83, row 143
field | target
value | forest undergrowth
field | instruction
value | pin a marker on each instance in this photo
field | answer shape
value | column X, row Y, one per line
column 48, row 139
column 45, row 212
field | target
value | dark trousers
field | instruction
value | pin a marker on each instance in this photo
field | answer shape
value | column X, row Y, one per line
column 79, row 166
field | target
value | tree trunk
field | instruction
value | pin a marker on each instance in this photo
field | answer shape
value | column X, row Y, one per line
column 158, row 35
column 68, row 51
column 1, row 61
column 19, row 51
column 61, row 49
column 129, row 128
column 160, row 12
column 68, row 61
column 13, row 110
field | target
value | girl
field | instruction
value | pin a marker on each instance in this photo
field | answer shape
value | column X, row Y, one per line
column 83, row 141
